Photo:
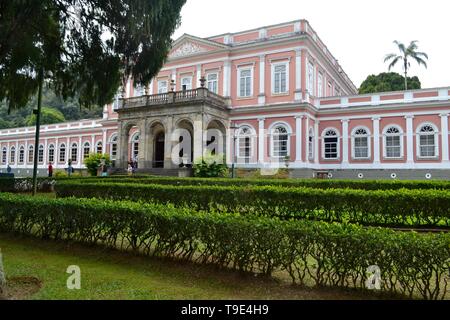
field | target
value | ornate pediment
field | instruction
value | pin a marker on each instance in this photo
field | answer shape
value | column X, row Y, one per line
column 188, row 48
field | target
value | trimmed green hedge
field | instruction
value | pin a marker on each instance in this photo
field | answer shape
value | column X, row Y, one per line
column 392, row 207
column 310, row 183
column 326, row 254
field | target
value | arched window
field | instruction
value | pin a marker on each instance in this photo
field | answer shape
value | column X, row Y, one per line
column 114, row 147
column 428, row 141
column 86, row 150
column 41, row 153
column 135, row 147
column 361, row 143
column 51, row 153
column 280, row 141
column 4, row 155
column 21, row 154
column 12, row 154
column 311, row 144
column 99, row 147
column 74, row 152
column 62, row 153
column 330, row 144
column 393, row 142
column 30, row 154
column 244, row 143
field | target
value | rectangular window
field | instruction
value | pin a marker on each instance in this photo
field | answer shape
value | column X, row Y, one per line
column 393, row 147
column 62, row 153
column 280, row 78
column 186, row 83
column 427, row 146
column 162, row 86
column 245, row 82
column 331, row 148
column 320, row 86
column 212, row 80
column 244, row 148
column 361, row 148
column 74, row 154
column 51, row 155
column 41, row 154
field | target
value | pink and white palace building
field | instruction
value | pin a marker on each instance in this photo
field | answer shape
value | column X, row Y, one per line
column 264, row 97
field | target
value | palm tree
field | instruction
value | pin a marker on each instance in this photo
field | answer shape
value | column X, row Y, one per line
column 406, row 53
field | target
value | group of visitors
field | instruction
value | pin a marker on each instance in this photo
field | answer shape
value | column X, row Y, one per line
column 132, row 166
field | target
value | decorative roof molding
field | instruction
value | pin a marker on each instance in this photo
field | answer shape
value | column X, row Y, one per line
column 187, row 49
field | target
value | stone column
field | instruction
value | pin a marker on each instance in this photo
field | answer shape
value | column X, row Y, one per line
column 122, row 148
column 143, row 144
column 198, row 136
column 168, row 163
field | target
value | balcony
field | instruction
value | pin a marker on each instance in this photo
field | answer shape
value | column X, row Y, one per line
column 174, row 98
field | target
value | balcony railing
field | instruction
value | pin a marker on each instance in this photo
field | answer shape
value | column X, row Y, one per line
column 194, row 96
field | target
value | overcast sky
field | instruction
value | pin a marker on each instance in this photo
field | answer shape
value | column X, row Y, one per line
column 359, row 33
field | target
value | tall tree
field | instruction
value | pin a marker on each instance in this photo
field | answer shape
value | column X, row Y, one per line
column 387, row 81
column 87, row 48
column 406, row 54
column 81, row 47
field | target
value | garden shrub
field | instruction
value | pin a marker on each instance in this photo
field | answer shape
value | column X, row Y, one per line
column 94, row 161
column 328, row 254
column 378, row 207
column 210, row 166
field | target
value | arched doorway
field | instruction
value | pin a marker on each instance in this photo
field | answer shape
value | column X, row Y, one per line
column 159, row 149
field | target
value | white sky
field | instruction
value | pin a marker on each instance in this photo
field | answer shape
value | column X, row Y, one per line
column 359, row 33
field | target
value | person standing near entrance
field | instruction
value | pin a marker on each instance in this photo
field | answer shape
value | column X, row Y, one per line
column 50, row 170
column 8, row 169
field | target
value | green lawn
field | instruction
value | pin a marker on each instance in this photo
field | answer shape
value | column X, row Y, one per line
column 110, row 274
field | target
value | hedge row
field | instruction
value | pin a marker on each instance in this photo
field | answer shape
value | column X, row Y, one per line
column 326, row 254
column 391, row 207
column 311, row 183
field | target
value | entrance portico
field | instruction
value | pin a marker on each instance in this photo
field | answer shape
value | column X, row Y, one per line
column 174, row 128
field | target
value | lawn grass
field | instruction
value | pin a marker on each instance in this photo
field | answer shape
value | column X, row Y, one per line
column 110, row 274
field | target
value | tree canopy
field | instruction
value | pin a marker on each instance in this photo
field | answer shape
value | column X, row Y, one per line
column 87, row 48
column 48, row 116
column 388, row 81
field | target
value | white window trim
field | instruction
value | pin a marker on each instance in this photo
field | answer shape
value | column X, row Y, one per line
column 310, row 154
column 30, row 148
column 217, row 81
column 74, row 146
column 65, row 152
column 21, row 147
column 50, row 147
column 252, row 136
column 401, row 134
column 4, row 152
column 41, row 147
column 239, row 70
column 135, row 139
column 158, row 86
column 310, row 82
column 190, row 78
column 289, row 134
column 96, row 147
column 320, row 79
column 273, row 66
column 369, row 143
column 338, row 145
column 436, row 141
column 85, row 146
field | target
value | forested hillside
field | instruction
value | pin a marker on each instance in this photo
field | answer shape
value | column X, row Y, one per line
column 55, row 110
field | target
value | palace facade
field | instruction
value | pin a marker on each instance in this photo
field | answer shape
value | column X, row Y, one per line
column 268, row 97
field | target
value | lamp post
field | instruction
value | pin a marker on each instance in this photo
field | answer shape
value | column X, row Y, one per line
column 234, row 159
